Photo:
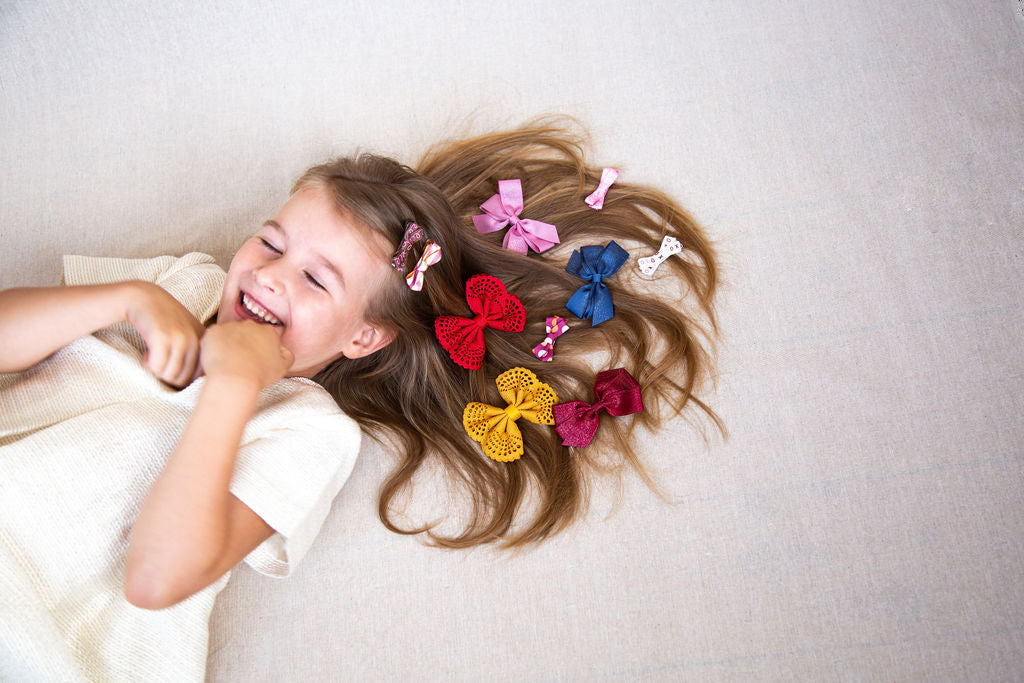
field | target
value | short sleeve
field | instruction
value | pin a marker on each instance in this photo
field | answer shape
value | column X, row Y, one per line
column 194, row 279
column 296, row 454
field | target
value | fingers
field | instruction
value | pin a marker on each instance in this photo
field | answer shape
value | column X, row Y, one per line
column 173, row 358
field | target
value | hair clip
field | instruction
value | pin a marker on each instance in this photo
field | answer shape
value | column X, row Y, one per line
column 431, row 255
column 492, row 306
column 413, row 234
column 596, row 198
column 555, row 327
column 593, row 300
column 503, row 209
column 669, row 246
column 615, row 391
column 495, row 428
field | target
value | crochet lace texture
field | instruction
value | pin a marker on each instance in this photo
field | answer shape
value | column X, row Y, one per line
column 492, row 306
column 495, row 428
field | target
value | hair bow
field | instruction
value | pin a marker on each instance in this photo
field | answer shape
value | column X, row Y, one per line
column 555, row 326
column 503, row 209
column 495, row 428
column 615, row 391
column 413, row 234
column 670, row 245
column 596, row 198
column 492, row 306
column 431, row 255
column 594, row 263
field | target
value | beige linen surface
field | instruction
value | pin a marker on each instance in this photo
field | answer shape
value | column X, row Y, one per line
column 82, row 436
column 859, row 166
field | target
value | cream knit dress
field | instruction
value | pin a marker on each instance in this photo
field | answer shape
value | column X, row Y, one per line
column 83, row 434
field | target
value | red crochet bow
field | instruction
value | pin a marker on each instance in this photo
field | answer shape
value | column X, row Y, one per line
column 492, row 306
column 616, row 391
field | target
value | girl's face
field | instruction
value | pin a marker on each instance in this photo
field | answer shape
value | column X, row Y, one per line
column 309, row 272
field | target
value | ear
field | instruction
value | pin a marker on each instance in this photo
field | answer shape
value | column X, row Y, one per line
column 370, row 338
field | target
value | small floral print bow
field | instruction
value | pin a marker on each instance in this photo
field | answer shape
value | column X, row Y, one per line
column 413, row 234
column 431, row 255
column 503, row 209
column 594, row 263
column 495, row 428
column 555, row 327
column 596, row 198
column 616, row 391
column 670, row 245
column 492, row 306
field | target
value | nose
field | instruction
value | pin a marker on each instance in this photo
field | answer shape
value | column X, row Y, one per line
column 268, row 276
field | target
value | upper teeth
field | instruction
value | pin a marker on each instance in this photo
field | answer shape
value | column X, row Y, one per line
column 259, row 310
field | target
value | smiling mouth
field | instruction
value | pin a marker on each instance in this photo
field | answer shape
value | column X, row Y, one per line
column 257, row 312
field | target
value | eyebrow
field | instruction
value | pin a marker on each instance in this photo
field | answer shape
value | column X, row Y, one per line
column 319, row 257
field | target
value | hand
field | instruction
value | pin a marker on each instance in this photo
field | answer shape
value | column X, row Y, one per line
column 171, row 333
column 245, row 350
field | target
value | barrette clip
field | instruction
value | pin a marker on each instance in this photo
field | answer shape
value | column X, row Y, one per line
column 555, row 326
column 495, row 428
column 596, row 198
column 669, row 246
column 492, row 306
column 503, row 209
column 616, row 392
column 413, row 234
column 431, row 255
column 593, row 264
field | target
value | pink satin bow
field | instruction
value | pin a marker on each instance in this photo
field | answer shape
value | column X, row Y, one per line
column 670, row 245
column 616, row 392
column 555, row 327
column 503, row 209
column 431, row 255
column 596, row 198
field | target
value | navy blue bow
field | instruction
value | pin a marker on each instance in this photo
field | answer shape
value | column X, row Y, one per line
column 593, row 300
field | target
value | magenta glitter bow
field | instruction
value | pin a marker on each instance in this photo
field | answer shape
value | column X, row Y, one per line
column 413, row 234
column 431, row 255
column 503, row 209
column 596, row 198
column 616, row 392
column 670, row 245
column 555, row 326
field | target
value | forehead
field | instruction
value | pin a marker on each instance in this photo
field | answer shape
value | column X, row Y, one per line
column 312, row 217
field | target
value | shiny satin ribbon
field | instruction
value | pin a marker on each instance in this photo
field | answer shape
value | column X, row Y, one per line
column 431, row 255
column 555, row 326
column 593, row 264
column 596, row 198
column 669, row 246
column 503, row 209
column 413, row 234
column 615, row 391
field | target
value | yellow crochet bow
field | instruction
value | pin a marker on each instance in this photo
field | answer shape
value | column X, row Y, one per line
column 495, row 428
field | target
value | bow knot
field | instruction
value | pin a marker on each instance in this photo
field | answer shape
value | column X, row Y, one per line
column 495, row 428
column 431, row 255
column 555, row 327
column 616, row 392
column 503, row 209
column 669, row 246
column 595, row 200
column 492, row 306
column 593, row 264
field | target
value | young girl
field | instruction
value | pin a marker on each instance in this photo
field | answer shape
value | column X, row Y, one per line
column 144, row 454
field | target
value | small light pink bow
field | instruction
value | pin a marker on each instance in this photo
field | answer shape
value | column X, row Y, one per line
column 431, row 255
column 503, row 209
column 555, row 327
column 670, row 245
column 596, row 198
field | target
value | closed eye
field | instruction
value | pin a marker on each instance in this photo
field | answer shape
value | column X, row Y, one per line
column 314, row 282
column 269, row 246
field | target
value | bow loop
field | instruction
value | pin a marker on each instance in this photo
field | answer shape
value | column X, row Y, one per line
column 492, row 306
column 431, row 255
column 595, row 200
column 495, row 428
column 555, row 326
column 616, row 392
column 669, row 246
column 503, row 209
column 593, row 264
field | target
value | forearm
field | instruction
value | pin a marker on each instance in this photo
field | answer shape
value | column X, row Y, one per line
column 184, row 527
column 36, row 321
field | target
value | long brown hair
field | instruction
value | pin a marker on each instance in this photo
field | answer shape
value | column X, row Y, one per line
column 410, row 394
